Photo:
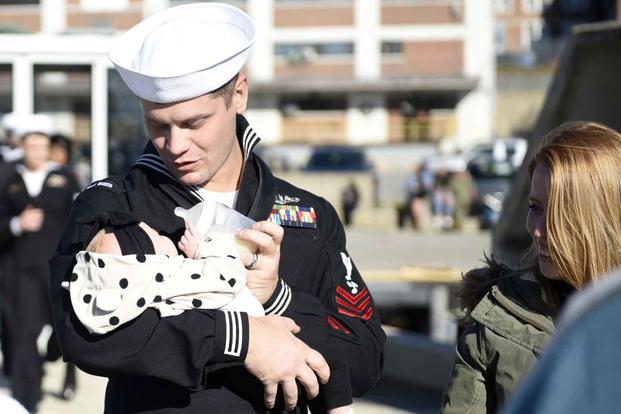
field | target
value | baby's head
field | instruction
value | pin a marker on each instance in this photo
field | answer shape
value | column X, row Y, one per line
column 108, row 240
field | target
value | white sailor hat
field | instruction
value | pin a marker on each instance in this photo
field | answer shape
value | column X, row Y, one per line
column 22, row 124
column 184, row 52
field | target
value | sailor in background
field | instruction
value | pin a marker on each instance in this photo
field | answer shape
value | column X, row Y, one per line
column 33, row 209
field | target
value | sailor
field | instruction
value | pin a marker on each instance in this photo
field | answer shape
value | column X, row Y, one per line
column 185, row 64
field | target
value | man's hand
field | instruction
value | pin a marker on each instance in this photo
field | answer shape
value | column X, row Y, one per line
column 31, row 219
column 263, row 275
column 276, row 356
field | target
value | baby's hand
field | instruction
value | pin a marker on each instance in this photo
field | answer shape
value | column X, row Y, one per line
column 189, row 242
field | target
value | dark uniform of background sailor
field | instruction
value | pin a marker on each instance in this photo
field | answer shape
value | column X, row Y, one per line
column 33, row 209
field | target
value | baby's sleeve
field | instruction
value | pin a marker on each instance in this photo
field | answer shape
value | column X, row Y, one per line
column 108, row 290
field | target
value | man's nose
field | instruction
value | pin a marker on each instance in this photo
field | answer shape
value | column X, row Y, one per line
column 178, row 142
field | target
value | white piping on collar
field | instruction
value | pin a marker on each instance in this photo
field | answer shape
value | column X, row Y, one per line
column 153, row 161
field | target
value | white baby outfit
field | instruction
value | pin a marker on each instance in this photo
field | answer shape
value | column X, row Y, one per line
column 109, row 290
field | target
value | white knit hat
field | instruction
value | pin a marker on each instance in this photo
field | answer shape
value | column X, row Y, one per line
column 184, row 52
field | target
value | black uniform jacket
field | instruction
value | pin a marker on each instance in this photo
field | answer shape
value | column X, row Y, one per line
column 34, row 249
column 193, row 362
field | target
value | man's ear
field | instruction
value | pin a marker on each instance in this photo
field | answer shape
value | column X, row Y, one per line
column 240, row 94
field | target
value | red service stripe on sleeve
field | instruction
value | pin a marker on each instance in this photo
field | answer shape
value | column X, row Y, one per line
column 352, row 299
column 333, row 324
column 358, row 308
column 337, row 325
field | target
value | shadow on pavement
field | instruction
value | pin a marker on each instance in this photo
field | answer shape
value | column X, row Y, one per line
column 405, row 397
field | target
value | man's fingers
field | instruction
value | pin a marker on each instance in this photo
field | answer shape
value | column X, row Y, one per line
column 290, row 392
column 308, row 379
column 275, row 231
column 269, row 395
column 264, row 241
column 318, row 364
column 290, row 325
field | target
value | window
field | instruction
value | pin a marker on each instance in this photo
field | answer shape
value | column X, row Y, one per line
column 500, row 37
column 532, row 31
column 306, row 52
column 532, row 6
column 503, row 6
column 392, row 48
column 103, row 6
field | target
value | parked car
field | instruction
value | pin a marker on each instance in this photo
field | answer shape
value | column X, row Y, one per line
column 493, row 166
column 338, row 158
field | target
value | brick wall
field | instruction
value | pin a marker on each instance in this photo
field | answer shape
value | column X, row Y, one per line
column 426, row 59
column 315, row 70
column 421, row 14
column 323, row 14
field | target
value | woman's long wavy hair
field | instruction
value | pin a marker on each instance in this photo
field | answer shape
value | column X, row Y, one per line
column 583, row 219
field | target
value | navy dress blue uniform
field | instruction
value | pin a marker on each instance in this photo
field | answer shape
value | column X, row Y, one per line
column 193, row 362
column 26, row 304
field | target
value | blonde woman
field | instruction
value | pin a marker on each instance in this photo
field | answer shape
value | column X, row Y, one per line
column 574, row 221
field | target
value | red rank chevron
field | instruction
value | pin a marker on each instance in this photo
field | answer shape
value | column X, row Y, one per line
column 356, row 306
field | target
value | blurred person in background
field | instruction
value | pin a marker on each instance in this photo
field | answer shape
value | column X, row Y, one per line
column 14, row 126
column 418, row 187
column 574, row 221
column 350, row 196
column 464, row 191
column 62, row 151
column 33, row 210
column 442, row 201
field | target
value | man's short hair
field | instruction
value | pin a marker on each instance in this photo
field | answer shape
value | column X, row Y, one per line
column 226, row 91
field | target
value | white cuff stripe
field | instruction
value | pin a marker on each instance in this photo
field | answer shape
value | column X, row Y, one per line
column 234, row 334
column 282, row 301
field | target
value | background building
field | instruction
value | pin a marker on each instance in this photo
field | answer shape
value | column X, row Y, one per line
column 338, row 71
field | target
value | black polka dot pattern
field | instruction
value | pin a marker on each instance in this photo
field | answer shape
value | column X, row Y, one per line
column 170, row 302
column 114, row 321
column 123, row 283
column 87, row 298
column 222, row 277
column 101, row 263
column 232, row 282
column 158, row 298
column 196, row 303
column 195, row 276
column 74, row 277
column 159, row 277
column 87, row 257
column 141, row 258
column 141, row 302
column 208, row 239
